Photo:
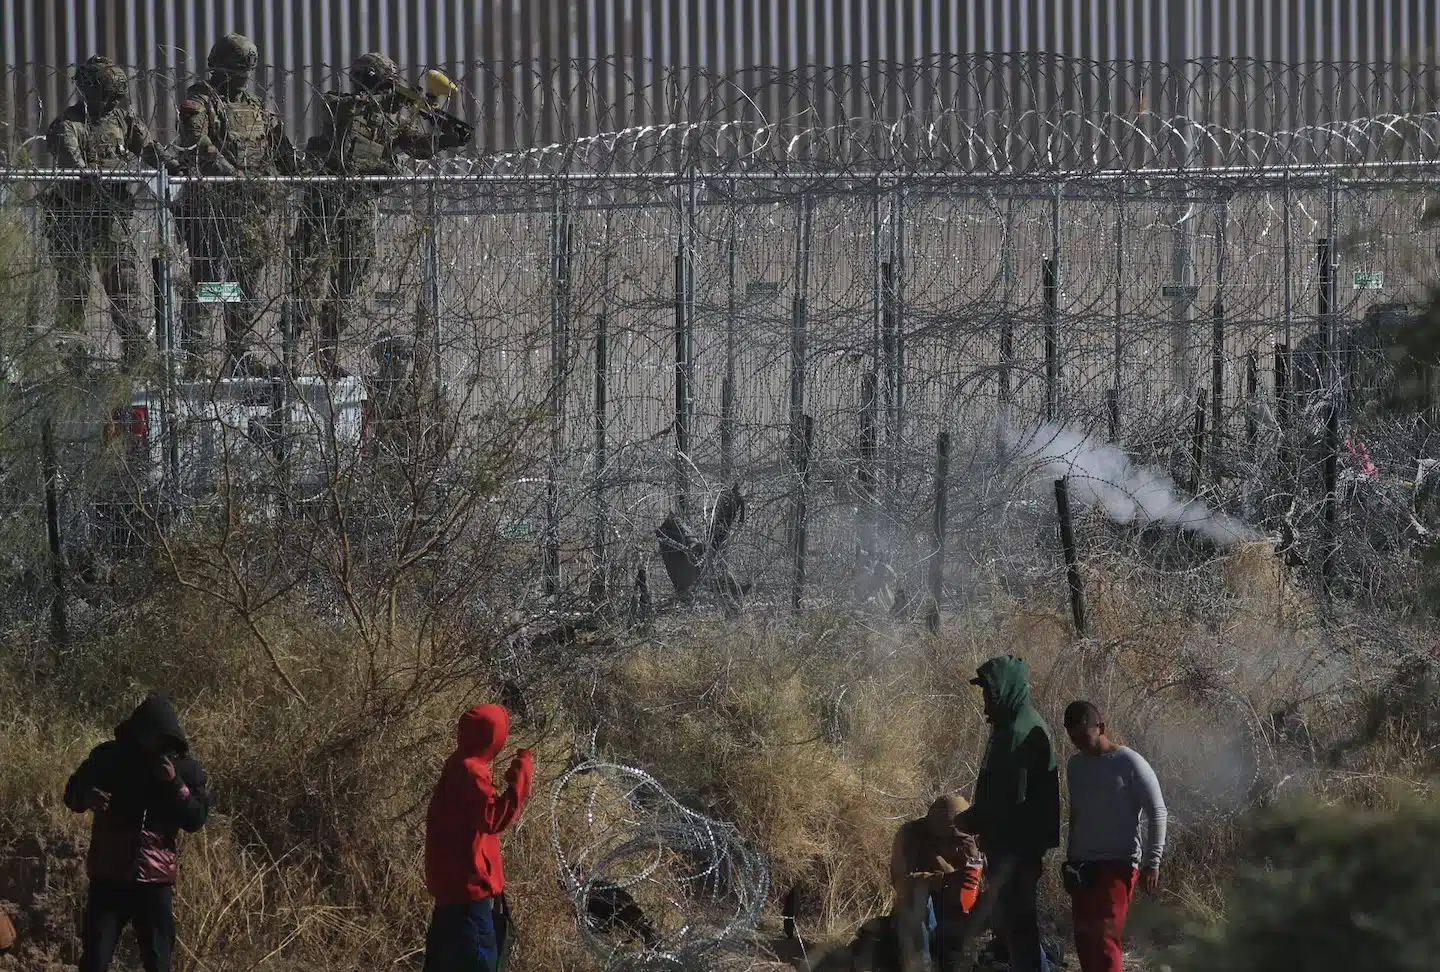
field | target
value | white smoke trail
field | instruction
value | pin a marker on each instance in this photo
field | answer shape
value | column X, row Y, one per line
column 1102, row 475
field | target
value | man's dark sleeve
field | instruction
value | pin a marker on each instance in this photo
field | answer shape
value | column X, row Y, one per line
column 193, row 795
column 1045, row 786
column 78, row 787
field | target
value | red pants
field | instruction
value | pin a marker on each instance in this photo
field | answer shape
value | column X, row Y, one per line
column 1098, row 908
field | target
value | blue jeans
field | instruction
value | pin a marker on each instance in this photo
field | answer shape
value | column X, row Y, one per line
column 462, row 939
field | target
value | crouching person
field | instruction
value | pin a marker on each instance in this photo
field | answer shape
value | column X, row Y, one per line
column 462, row 846
column 935, row 869
column 143, row 788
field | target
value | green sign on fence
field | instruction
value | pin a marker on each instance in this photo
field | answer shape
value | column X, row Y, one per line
column 516, row 529
column 1369, row 279
column 217, row 292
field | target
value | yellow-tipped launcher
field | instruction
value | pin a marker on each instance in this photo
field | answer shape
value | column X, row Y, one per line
column 438, row 88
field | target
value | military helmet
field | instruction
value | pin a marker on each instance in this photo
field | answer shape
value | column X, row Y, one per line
column 233, row 52
column 373, row 70
column 102, row 76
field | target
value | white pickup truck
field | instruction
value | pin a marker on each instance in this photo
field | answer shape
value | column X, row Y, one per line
column 260, row 438
column 234, row 431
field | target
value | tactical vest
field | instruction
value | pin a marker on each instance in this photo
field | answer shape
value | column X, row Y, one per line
column 360, row 134
column 105, row 140
column 246, row 125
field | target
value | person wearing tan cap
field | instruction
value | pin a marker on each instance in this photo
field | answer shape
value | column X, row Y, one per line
column 935, row 869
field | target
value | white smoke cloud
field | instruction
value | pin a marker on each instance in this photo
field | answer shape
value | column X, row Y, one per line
column 1102, row 475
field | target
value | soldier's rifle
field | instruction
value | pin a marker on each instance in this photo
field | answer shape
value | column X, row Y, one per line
column 437, row 89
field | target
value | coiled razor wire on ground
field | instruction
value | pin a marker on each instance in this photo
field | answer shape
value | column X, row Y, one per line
column 615, row 827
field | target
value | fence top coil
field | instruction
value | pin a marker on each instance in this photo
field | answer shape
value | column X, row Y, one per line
column 994, row 115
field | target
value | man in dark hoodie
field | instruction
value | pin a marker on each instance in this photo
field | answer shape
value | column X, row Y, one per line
column 1016, row 811
column 144, row 788
column 463, row 871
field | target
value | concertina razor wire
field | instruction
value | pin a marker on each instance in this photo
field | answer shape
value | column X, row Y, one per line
column 1112, row 272
column 713, row 265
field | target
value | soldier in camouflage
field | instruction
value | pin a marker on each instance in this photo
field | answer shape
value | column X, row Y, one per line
column 225, row 130
column 365, row 132
column 90, row 220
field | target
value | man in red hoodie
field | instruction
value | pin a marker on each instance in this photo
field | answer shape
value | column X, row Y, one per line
column 462, row 844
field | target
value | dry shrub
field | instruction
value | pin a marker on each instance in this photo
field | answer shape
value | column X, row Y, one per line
column 812, row 754
column 816, row 739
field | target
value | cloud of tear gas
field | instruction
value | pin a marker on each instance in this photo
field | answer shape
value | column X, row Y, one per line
column 1102, row 475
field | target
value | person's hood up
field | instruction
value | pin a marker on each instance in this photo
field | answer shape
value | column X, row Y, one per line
column 154, row 715
column 482, row 732
column 1008, row 680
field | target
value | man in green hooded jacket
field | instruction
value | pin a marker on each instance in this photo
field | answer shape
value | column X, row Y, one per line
column 1016, row 810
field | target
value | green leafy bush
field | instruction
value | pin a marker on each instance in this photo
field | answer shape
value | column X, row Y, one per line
column 1331, row 889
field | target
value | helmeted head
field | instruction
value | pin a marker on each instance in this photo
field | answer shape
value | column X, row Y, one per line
column 101, row 79
column 374, row 71
column 235, row 56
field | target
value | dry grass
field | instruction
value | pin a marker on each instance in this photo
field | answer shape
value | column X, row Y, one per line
column 814, row 739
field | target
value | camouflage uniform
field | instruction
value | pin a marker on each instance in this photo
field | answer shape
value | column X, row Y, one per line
column 90, row 220
column 226, row 130
column 335, row 241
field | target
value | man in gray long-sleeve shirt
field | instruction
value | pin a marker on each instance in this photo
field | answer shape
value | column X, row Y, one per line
column 1111, row 789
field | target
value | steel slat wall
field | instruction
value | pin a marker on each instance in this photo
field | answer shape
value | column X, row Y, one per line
column 306, row 41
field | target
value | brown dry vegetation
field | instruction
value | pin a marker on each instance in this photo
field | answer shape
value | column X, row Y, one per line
column 814, row 738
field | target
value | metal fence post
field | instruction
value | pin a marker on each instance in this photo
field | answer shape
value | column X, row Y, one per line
column 1004, row 391
column 602, row 359
column 682, row 388
column 559, row 339
column 1252, row 395
column 1113, row 399
column 1050, row 273
column 432, row 289
column 1052, row 310
column 161, row 272
column 1282, row 351
column 940, row 517
column 1217, row 345
column 1072, row 557
column 727, row 388
column 1182, row 274
column 898, row 300
column 1197, row 444
column 801, row 527
column 798, row 324
column 1329, row 387
column 889, row 342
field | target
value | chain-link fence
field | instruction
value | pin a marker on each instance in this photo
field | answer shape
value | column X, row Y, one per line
column 888, row 341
